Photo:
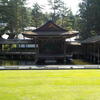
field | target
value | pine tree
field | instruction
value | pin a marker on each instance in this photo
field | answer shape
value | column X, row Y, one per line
column 90, row 18
column 37, row 15
column 14, row 13
column 56, row 6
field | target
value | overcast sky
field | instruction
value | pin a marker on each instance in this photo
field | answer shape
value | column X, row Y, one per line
column 73, row 4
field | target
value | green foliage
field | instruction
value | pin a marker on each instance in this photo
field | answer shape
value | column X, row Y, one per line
column 77, row 22
column 37, row 15
column 55, row 5
column 61, row 14
column 89, row 18
column 18, row 16
column 14, row 13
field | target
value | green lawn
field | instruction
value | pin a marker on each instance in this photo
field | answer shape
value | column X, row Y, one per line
column 50, row 85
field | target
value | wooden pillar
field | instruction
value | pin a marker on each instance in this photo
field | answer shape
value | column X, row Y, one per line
column 4, row 50
column 83, row 51
column 1, row 47
column 37, row 46
column 88, row 57
column 98, row 55
column 36, row 55
column 89, row 53
column 94, row 53
column 64, row 51
column 91, row 57
column 20, row 56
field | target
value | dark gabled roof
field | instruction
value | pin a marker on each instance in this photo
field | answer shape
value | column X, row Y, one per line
column 49, row 27
column 93, row 39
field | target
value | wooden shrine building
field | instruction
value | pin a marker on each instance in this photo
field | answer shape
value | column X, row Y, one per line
column 50, row 42
column 90, row 49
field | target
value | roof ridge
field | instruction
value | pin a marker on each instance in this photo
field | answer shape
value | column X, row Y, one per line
column 50, row 26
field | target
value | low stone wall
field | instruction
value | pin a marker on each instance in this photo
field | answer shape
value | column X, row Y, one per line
column 49, row 67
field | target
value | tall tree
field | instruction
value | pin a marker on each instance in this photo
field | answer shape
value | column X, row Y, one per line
column 90, row 18
column 71, row 20
column 14, row 13
column 37, row 15
column 61, row 14
column 56, row 6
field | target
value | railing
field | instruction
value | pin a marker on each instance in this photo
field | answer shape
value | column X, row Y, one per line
column 17, row 53
column 16, row 41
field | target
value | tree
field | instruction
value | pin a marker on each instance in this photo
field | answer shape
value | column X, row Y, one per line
column 89, row 18
column 56, row 5
column 62, row 15
column 37, row 15
column 14, row 13
column 70, row 20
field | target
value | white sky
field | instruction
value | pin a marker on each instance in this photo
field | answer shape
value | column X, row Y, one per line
column 72, row 4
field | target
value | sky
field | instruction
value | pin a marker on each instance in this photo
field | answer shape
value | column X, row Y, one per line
column 72, row 4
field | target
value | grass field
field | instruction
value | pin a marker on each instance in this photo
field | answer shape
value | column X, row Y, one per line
column 50, row 85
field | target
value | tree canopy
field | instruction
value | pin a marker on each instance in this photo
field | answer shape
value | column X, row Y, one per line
column 18, row 16
column 14, row 13
column 89, row 18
